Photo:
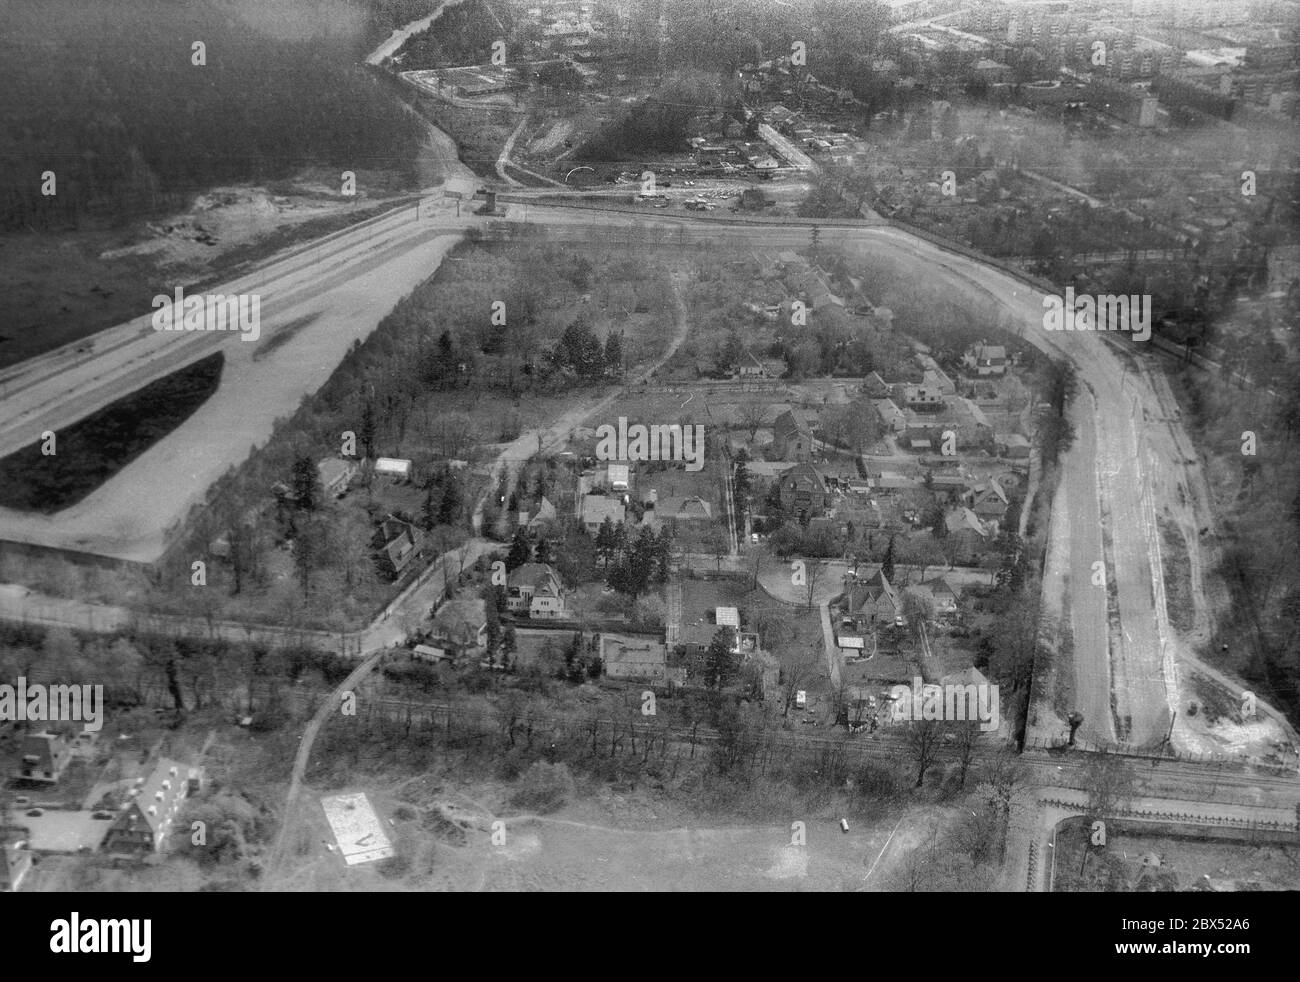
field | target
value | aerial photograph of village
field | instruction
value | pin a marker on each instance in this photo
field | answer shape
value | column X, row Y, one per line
column 746, row 445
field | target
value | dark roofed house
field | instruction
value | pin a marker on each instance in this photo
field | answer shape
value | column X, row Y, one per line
column 792, row 434
column 803, row 492
column 398, row 544
column 989, row 501
column 875, row 602
column 691, row 508
column 44, row 757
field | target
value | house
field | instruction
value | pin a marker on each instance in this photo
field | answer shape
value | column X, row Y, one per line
column 397, row 545
column 803, row 492
column 792, row 435
column 618, row 477
column 754, row 199
column 967, row 676
column 393, row 468
column 966, row 533
column 691, row 508
column 14, row 864
column 954, row 481
column 893, row 481
column 336, row 474
column 596, row 508
column 534, row 589
column 639, row 659
column 144, row 823
column 875, row 603
column 984, row 360
column 543, row 516
column 749, row 366
column 875, row 387
column 923, row 399
column 727, row 617
column 460, row 625
column 431, row 654
column 1012, row 446
column 934, row 377
column 989, row 501
column 44, row 757
column 894, row 419
column 939, row 593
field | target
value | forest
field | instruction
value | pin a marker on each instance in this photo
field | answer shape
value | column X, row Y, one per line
column 132, row 117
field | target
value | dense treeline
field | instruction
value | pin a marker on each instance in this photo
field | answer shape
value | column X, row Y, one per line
column 658, row 124
column 107, row 97
column 91, row 451
column 463, row 35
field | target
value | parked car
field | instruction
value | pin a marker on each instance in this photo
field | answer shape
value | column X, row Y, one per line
column 35, row 812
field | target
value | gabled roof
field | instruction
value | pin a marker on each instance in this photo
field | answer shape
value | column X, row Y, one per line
column 545, row 512
column 458, row 618
column 159, row 795
column 534, row 575
column 803, row 477
column 596, row 508
column 873, row 590
column 963, row 518
column 684, row 508
column 791, row 422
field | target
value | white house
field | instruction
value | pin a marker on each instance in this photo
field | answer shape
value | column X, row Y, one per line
column 534, row 589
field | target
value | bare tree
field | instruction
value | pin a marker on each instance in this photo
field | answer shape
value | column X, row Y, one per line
column 794, row 677
column 753, row 415
column 812, row 574
column 923, row 740
column 966, row 734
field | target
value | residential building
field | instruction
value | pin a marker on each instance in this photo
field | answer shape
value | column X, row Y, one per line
column 44, row 757
column 874, row 603
column 989, row 501
column 145, row 821
column 923, row 399
column 639, row 659
column 460, row 625
column 691, row 508
column 398, row 544
column 803, row 492
column 544, row 515
column 596, row 508
column 895, row 419
column 940, row 593
column 535, row 589
column 792, row 435
column 966, row 533
column 985, row 360
column 336, row 474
